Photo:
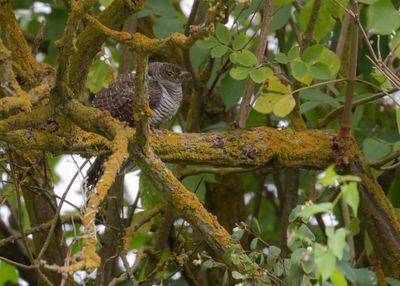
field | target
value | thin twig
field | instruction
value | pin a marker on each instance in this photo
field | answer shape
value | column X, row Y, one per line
column 260, row 52
column 56, row 215
column 308, row 34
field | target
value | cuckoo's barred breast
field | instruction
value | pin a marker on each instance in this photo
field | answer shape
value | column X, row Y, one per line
column 165, row 94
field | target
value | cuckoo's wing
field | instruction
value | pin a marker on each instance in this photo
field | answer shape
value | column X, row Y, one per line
column 117, row 98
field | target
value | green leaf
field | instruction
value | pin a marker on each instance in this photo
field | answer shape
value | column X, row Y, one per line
column 239, row 41
column 330, row 59
column 284, row 106
column 231, row 90
column 325, row 261
column 223, row 34
column 255, row 226
column 280, row 17
column 278, row 269
column 307, row 266
column 149, row 195
column 274, row 251
column 361, row 276
column 273, row 254
column 8, row 275
column 367, row 1
column 312, row 53
column 394, row 42
column 235, row 259
column 351, row 196
column 233, row 57
column 249, row 265
column 161, row 8
column 398, row 119
column 105, row 2
column 282, row 58
column 237, row 234
column 238, row 276
column 239, row 73
column 253, row 244
column 207, row 43
column 225, row 279
column 246, row 58
column 301, row 72
column 310, row 209
column 207, row 264
column 337, row 242
column 354, row 226
column 320, row 71
column 164, row 27
column 326, row 18
column 261, row 74
column 338, row 279
column 375, row 149
column 392, row 281
column 55, row 23
column 329, row 178
column 307, row 106
column 294, row 53
column 365, row 277
column 219, row 51
column 304, row 231
column 317, row 95
column 383, row 17
column 265, row 102
column 100, row 75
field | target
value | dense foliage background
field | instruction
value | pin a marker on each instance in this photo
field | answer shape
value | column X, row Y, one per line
column 300, row 225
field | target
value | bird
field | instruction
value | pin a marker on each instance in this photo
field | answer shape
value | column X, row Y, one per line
column 164, row 81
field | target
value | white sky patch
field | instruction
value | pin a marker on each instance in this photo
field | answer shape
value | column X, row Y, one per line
column 66, row 169
column 5, row 214
column 132, row 186
column 393, row 99
column 130, row 257
column 176, row 276
column 40, row 7
column 328, row 218
column 186, row 6
column 177, row 128
column 22, row 282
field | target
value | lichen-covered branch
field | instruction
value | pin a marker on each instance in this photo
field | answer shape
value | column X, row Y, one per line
column 254, row 148
column 183, row 201
column 379, row 217
column 141, row 42
column 88, row 43
column 66, row 44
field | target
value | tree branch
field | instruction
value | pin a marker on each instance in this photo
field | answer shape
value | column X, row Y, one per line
column 260, row 52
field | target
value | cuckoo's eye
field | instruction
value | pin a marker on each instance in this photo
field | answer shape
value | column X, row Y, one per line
column 169, row 73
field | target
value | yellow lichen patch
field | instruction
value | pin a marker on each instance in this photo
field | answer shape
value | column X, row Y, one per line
column 10, row 103
column 111, row 169
column 119, row 36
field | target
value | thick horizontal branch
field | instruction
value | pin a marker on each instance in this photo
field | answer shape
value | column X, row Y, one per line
column 252, row 148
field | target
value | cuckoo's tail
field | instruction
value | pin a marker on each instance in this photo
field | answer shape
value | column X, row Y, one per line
column 94, row 173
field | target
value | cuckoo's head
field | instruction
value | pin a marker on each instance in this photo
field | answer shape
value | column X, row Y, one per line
column 166, row 72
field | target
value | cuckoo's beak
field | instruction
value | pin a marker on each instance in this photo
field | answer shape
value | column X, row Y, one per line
column 185, row 75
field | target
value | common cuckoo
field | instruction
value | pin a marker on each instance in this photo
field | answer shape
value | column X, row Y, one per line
column 165, row 94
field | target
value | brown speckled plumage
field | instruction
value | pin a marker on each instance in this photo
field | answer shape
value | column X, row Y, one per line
column 165, row 94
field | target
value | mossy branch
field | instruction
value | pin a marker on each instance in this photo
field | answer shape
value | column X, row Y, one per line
column 88, row 43
column 143, row 43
